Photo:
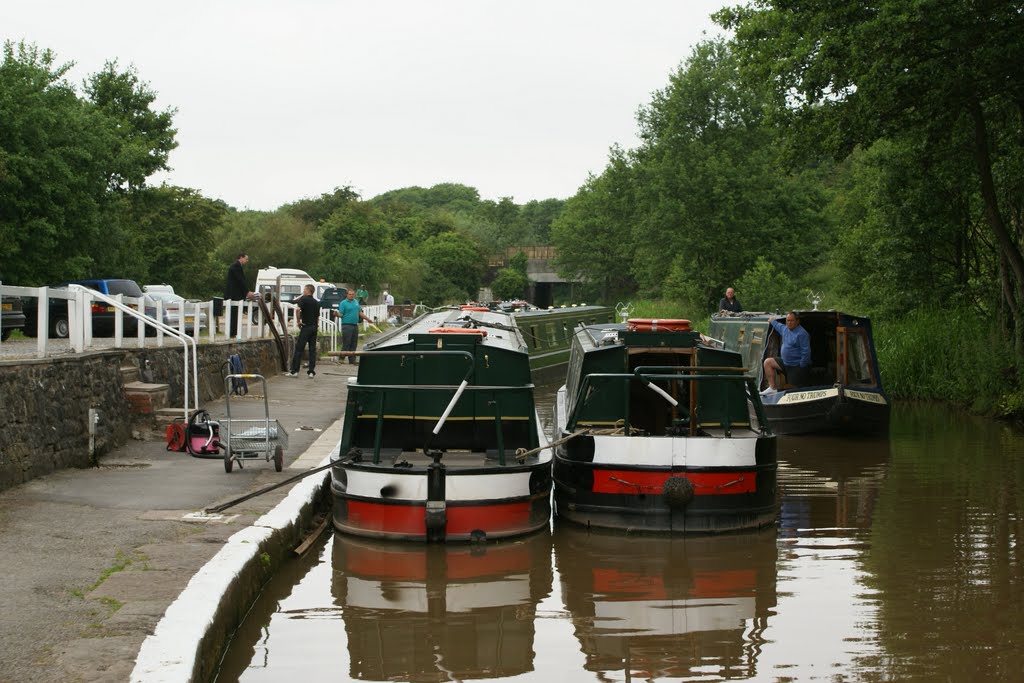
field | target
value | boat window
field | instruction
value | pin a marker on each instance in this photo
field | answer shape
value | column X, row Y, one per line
column 858, row 366
column 534, row 339
column 552, row 337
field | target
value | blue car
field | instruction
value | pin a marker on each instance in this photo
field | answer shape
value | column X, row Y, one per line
column 103, row 315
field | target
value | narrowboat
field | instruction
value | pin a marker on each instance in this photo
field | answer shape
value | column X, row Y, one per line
column 441, row 439
column 678, row 608
column 656, row 431
column 548, row 333
column 843, row 393
column 439, row 612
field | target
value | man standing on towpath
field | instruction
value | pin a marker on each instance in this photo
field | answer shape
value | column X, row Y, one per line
column 350, row 313
column 309, row 319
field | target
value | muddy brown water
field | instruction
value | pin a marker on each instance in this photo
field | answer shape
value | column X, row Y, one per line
column 893, row 559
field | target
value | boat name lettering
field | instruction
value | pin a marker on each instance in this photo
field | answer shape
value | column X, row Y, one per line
column 816, row 395
column 865, row 396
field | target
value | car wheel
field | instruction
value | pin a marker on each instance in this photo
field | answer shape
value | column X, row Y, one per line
column 5, row 335
column 61, row 329
column 278, row 458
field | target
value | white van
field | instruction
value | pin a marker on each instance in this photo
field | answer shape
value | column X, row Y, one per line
column 290, row 280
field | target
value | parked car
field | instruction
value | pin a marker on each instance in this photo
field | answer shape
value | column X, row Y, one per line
column 171, row 307
column 332, row 296
column 13, row 318
column 103, row 315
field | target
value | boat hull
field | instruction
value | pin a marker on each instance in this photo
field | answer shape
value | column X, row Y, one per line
column 614, row 491
column 386, row 502
column 827, row 410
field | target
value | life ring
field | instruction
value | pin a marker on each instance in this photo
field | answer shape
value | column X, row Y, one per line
column 657, row 325
column 457, row 330
column 482, row 309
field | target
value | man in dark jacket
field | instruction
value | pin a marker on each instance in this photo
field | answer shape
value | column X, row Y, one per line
column 309, row 319
column 236, row 288
column 729, row 302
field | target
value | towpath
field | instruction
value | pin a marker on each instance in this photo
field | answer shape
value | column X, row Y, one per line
column 92, row 558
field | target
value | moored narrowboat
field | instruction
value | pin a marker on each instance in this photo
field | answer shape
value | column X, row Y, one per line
column 441, row 439
column 656, row 431
column 548, row 333
column 842, row 392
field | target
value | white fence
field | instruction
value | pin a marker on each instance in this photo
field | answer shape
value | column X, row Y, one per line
column 73, row 329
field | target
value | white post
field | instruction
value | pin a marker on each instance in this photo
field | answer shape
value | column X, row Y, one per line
column 42, row 321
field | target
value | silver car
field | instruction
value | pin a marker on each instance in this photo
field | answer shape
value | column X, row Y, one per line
column 172, row 305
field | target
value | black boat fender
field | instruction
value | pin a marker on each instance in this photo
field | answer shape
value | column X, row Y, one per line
column 678, row 492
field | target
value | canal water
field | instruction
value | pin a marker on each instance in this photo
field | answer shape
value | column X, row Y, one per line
column 893, row 559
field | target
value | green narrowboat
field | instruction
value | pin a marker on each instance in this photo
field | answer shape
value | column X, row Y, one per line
column 441, row 439
column 657, row 431
column 841, row 392
column 548, row 333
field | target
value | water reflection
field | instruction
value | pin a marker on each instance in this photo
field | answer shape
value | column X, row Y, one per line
column 657, row 607
column 440, row 612
column 827, row 482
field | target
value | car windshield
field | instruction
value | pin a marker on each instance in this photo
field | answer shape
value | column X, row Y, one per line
column 126, row 287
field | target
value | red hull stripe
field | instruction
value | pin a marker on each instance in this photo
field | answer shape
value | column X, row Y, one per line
column 411, row 565
column 704, row 483
column 463, row 519
column 618, row 584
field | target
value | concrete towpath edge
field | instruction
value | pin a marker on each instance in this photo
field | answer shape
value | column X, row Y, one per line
column 189, row 641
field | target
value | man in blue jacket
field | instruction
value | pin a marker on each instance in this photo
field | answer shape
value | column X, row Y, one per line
column 795, row 357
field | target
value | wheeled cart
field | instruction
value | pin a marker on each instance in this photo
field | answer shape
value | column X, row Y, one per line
column 251, row 439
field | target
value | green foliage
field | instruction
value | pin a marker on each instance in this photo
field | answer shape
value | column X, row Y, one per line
column 68, row 166
column 947, row 354
column 456, row 267
column 509, row 283
column 141, row 138
column 765, row 288
column 316, row 211
column 519, row 262
column 355, row 242
column 592, row 233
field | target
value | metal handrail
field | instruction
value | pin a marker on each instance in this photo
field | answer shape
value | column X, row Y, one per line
column 157, row 324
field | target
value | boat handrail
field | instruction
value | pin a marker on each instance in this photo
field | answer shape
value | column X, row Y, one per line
column 438, row 387
column 751, row 390
column 642, row 369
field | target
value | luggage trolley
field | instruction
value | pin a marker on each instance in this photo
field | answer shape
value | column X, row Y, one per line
column 251, row 439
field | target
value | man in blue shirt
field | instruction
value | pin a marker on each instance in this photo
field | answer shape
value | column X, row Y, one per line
column 350, row 314
column 795, row 357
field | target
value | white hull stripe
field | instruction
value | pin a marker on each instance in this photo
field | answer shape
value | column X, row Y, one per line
column 473, row 487
column 673, row 451
column 672, row 617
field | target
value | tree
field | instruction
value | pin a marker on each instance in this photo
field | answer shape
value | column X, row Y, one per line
column 54, row 151
column 509, row 283
column 711, row 192
column 854, row 73
column 454, row 259
column 593, row 232
column 141, row 138
column 356, row 239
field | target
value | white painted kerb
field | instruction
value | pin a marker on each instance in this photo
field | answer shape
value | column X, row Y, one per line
column 169, row 655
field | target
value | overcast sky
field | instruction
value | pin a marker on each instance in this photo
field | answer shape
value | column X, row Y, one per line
column 282, row 100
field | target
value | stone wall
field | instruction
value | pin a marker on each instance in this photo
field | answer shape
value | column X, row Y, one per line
column 44, row 404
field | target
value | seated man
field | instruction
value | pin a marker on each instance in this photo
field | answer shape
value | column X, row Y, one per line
column 794, row 358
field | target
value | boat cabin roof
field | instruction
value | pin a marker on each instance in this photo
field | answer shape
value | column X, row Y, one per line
column 491, row 329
